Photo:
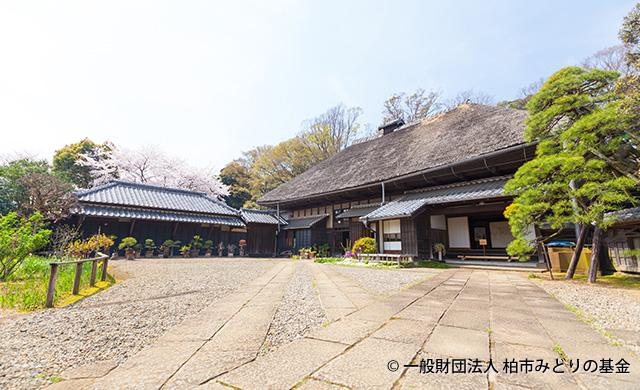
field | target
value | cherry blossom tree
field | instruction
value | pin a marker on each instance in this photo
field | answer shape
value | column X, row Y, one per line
column 149, row 164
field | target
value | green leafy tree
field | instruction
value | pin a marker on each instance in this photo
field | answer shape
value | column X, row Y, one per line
column 18, row 238
column 65, row 162
column 586, row 161
column 237, row 175
column 12, row 187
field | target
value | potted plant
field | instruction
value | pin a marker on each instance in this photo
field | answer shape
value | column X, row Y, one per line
column 231, row 248
column 207, row 248
column 127, row 244
column 439, row 247
column 185, row 250
column 195, row 244
column 138, row 249
column 166, row 248
column 242, row 244
column 220, row 248
column 150, row 246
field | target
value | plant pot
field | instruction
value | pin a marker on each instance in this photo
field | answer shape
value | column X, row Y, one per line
column 166, row 252
column 195, row 252
column 220, row 253
column 114, row 255
column 207, row 253
column 148, row 254
column 129, row 254
column 241, row 252
column 185, row 254
column 439, row 255
column 137, row 254
column 230, row 254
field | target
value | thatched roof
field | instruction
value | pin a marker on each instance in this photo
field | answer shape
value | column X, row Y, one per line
column 468, row 131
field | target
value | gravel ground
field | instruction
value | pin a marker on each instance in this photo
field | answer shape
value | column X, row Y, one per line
column 381, row 281
column 115, row 323
column 298, row 314
column 613, row 310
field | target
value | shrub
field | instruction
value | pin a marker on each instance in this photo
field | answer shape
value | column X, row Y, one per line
column 83, row 248
column 149, row 244
column 18, row 238
column 364, row 245
column 208, row 244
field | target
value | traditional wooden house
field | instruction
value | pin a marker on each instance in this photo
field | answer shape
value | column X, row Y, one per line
column 262, row 231
column 623, row 237
column 437, row 181
column 145, row 211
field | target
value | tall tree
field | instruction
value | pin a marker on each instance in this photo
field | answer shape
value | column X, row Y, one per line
column 410, row 108
column 584, row 137
column 237, row 175
column 524, row 95
column 629, row 34
column 329, row 133
column 12, row 190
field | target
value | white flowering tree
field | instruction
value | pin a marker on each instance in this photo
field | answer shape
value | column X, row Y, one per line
column 150, row 165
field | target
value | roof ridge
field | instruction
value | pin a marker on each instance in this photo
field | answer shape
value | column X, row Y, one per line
column 460, row 184
column 310, row 216
column 157, row 187
column 362, row 206
column 257, row 211
column 111, row 183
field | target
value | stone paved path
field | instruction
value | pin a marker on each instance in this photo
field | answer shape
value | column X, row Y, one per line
column 459, row 316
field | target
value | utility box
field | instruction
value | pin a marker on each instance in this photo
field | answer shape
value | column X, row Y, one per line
column 561, row 258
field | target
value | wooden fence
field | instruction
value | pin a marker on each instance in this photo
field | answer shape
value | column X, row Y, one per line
column 53, row 276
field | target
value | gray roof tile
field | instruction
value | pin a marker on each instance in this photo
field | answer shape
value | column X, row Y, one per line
column 358, row 211
column 122, row 193
column 260, row 216
column 155, row 215
column 411, row 202
column 305, row 222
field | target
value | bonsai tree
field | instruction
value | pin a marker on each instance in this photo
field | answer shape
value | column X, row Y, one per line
column 195, row 244
column 150, row 246
column 166, row 247
column 138, row 248
column 207, row 247
column 128, row 244
column 220, row 248
column 231, row 248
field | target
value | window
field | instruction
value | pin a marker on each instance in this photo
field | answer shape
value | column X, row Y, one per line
column 391, row 235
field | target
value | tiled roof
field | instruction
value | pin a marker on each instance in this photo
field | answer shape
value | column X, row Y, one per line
column 156, row 215
column 260, row 216
column 358, row 211
column 626, row 215
column 304, row 222
column 122, row 193
column 415, row 200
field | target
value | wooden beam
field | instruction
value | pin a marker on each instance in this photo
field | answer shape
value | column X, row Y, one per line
column 175, row 229
column 133, row 223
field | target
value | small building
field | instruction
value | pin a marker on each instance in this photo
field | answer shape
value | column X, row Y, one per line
column 144, row 211
column 411, row 186
column 262, row 231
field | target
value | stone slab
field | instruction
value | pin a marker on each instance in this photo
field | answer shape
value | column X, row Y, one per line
column 285, row 367
column 475, row 319
column 314, row 384
column 365, row 366
column 347, row 331
column 205, row 365
column 96, row 370
column 406, row 331
column 459, row 343
column 71, row 384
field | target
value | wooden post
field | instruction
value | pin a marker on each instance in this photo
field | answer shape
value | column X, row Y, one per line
column 577, row 252
column 51, row 289
column 595, row 254
column 94, row 266
column 105, row 262
column 76, row 281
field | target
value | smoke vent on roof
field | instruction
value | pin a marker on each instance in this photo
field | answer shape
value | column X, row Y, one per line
column 391, row 126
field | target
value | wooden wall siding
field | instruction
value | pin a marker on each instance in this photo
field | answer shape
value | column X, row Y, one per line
column 408, row 235
column 260, row 239
column 619, row 240
column 423, row 237
column 356, row 231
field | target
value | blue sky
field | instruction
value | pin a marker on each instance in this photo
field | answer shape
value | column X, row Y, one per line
column 206, row 80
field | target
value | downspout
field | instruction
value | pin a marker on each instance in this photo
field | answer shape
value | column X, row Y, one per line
column 275, row 247
column 383, row 198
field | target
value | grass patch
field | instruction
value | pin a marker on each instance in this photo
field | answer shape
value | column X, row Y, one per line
column 560, row 352
column 26, row 289
column 427, row 264
column 328, row 259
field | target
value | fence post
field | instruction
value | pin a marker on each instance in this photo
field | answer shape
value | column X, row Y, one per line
column 76, row 281
column 94, row 265
column 103, row 277
column 51, row 289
